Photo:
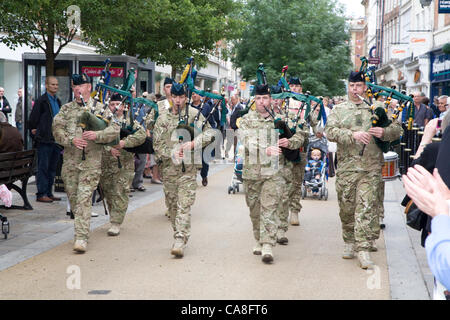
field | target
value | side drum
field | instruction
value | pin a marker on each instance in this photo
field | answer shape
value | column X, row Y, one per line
column 390, row 167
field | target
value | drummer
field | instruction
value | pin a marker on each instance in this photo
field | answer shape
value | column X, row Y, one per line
column 359, row 176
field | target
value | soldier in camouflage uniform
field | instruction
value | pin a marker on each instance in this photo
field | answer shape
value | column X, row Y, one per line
column 264, row 184
column 285, row 171
column 358, row 177
column 298, row 169
column 81, row 177
column 179, row 186
column 116, row 181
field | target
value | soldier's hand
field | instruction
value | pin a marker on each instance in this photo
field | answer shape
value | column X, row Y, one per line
column 362, row 136
column 115, row 153
column 188, row 145
column 89, row 135
column 273, row 151
column 284, row 142
column 377, row 132
column 120, row 145
column 79, row 143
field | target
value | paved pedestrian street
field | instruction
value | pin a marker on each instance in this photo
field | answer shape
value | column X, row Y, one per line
column 218, row 262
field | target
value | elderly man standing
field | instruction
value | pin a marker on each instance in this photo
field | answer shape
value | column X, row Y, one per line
column 443, row 105
column 422, row 114
column 41, row 119
column 81, row 175
column 359, row 176
column 4, row 104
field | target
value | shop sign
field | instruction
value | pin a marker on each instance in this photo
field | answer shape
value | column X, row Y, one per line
column 444, row 6
column 116, row 72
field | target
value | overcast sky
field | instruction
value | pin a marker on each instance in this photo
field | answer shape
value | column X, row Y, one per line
column 353, row 8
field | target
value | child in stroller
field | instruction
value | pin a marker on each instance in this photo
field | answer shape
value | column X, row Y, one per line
column 316, row 169
column 313, row 170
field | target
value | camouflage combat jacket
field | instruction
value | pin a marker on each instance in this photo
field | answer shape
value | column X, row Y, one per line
column 66, row 127
column 133, row 140
column 256, row 134
column 347, row 118
column 166, row 141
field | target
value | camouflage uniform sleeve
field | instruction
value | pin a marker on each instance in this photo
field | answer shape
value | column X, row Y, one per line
column 297, row 140
column 135, row 139
column 158, row 141
column 393, row 131
column 244, row 133
column 335, row 132
column 61, row 135
column 207, row 136
column 108, row 134
column 150, row 120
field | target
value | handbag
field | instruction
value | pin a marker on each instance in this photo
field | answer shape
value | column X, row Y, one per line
column 415, row 218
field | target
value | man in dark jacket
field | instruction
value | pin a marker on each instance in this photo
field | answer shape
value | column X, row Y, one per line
column 41, row 120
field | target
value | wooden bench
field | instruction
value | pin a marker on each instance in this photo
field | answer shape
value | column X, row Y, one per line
column 17, row 166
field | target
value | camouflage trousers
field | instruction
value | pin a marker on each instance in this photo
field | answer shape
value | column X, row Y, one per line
column 380, row 206
column 116, row 187
column 262, row 197
column 283, row 207
column 295, row 189
column 358, row 208
column 79, row 186
column 180, row 196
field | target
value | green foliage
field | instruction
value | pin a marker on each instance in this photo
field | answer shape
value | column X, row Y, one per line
column 166, row 31
column 308, row 36
column 446, row 48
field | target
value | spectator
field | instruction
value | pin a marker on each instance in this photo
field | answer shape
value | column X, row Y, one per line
column 443, row 106
column 432, row 196
column 4, row 104
column 18, row 115
column 422, row 114
column 234, row 114
column 10, row 138
column 41, row 119
column 434, row 106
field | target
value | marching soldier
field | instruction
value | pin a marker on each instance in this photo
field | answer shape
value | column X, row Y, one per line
column 80, row 176
column 116, row 181
column 263, row 181
column 285, row 171
column 298, row 169
column 179, row 177
column 358, row 177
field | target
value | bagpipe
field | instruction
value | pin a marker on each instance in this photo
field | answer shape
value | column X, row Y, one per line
column 379, row 116
column 98, row 122
column 190, row 125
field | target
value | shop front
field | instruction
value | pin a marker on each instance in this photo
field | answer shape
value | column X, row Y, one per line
column 439, row 73
column 67, row 64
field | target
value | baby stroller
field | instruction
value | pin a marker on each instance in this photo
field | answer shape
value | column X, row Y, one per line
column 236, row 179
column 311, row 185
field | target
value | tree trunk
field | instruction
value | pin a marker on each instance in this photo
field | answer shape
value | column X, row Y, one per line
column 50, row 54
column 174, row 72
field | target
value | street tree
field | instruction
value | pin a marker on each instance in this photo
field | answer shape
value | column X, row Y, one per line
column 40, row 24
column 166, row 31
column 311, row 37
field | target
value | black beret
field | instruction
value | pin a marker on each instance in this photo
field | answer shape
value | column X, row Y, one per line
column 356, row 76
column 168, row 81
column 177, row 89
column 78, row 79
column 116, row 97
column 261, row 89
column 275, row 89
column 295, row 80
